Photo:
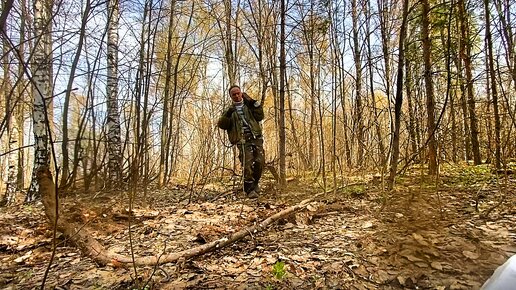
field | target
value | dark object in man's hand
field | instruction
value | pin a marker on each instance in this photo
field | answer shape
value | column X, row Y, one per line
column 229, row 112
column 248, row 100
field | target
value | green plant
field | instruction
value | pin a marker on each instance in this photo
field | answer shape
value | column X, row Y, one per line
column 278, row 270
column 355, row 190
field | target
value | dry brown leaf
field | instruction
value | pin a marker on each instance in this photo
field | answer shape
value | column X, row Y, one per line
column 382, row 276
column 471, row 255
column 420, row 239
column 402, row 280
column 312, row 207
column 23, row 258
column 299, row 258
column 361, row 270
column 367, row 225
column 437, row 266
column 412, row 258
column 302, row 219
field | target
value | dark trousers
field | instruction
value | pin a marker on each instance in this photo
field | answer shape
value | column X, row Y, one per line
column 252, row 158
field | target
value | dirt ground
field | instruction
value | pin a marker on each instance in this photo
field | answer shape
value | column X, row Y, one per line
column 419, row 236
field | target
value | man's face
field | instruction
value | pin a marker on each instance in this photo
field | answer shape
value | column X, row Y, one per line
column 236, row 94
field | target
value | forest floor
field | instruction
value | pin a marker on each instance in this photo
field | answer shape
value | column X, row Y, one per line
column 419, row 236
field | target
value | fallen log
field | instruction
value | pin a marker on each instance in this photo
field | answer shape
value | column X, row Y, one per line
column 78, row 235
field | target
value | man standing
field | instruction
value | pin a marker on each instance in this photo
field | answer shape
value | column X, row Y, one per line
column 241, row 122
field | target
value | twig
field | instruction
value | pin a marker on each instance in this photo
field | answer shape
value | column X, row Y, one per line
column 156, row 266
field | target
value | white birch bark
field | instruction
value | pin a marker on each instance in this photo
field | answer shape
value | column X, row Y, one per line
column 12, row 174
column 42, row 86
column 12, row 137
column 113, row 116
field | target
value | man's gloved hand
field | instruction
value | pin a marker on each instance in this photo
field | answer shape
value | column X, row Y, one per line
column 250, row 101
column 229, row 112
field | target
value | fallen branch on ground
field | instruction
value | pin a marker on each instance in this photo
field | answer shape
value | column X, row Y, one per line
column 82, row 239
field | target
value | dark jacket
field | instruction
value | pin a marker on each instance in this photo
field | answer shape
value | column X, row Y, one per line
column 253, row 112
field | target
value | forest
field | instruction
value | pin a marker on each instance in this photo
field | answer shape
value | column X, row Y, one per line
column 388, row 133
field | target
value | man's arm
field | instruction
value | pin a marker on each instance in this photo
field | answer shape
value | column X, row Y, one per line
column 255, row 107
column 224, row 121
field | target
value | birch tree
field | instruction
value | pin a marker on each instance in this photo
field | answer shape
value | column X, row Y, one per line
column 41, row 69
column 113, row 115
column 10, row 117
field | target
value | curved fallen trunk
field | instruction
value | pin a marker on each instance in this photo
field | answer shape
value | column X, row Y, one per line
column 82, row 238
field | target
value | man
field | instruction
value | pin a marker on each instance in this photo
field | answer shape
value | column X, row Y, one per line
column 241, row 121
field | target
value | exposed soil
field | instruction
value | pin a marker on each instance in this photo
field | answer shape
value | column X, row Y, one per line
column 419, row 236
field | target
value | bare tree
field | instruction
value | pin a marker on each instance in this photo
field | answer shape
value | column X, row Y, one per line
column 399, row 97
column 165, row 130
column 281, row 123
column 429, row 88
column 376, row 120
column 494, row 89
column 65, row 168
column 357, row 57
column 465, row 56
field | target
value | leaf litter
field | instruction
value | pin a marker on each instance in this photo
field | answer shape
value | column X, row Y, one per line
column 341, row 241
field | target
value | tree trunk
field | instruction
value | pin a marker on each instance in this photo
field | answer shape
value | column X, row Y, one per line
column 448, row 55
column 399, row 97
column 228, row 40
column 65, row 167
column 22, row 92
column 345, row 127
column 464, row 108
column 465, row 55
column 411, row 112
column 165, row 137
column 10, row 119
column 453, row 120
column 113, row 115
column 41, row 71
column 494, row 90
column 308, row 33
column 281, row 123
column 429, row 89
column 295, row 138
column 381, row 147
column 321, row 125
column 357, row 57
column 383, row 7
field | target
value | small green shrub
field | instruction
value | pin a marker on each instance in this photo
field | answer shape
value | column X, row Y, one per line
column 278, row 270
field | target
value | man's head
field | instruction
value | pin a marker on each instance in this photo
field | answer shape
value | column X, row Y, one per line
column 235, row 93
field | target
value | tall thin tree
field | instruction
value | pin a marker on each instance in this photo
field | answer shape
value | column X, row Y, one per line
column 494, row 89
column 42, row 84
column 357, row 57
column 399, row 97
column 465, row 56
column 113, row 115
column 429, row 88
column 281, row 123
